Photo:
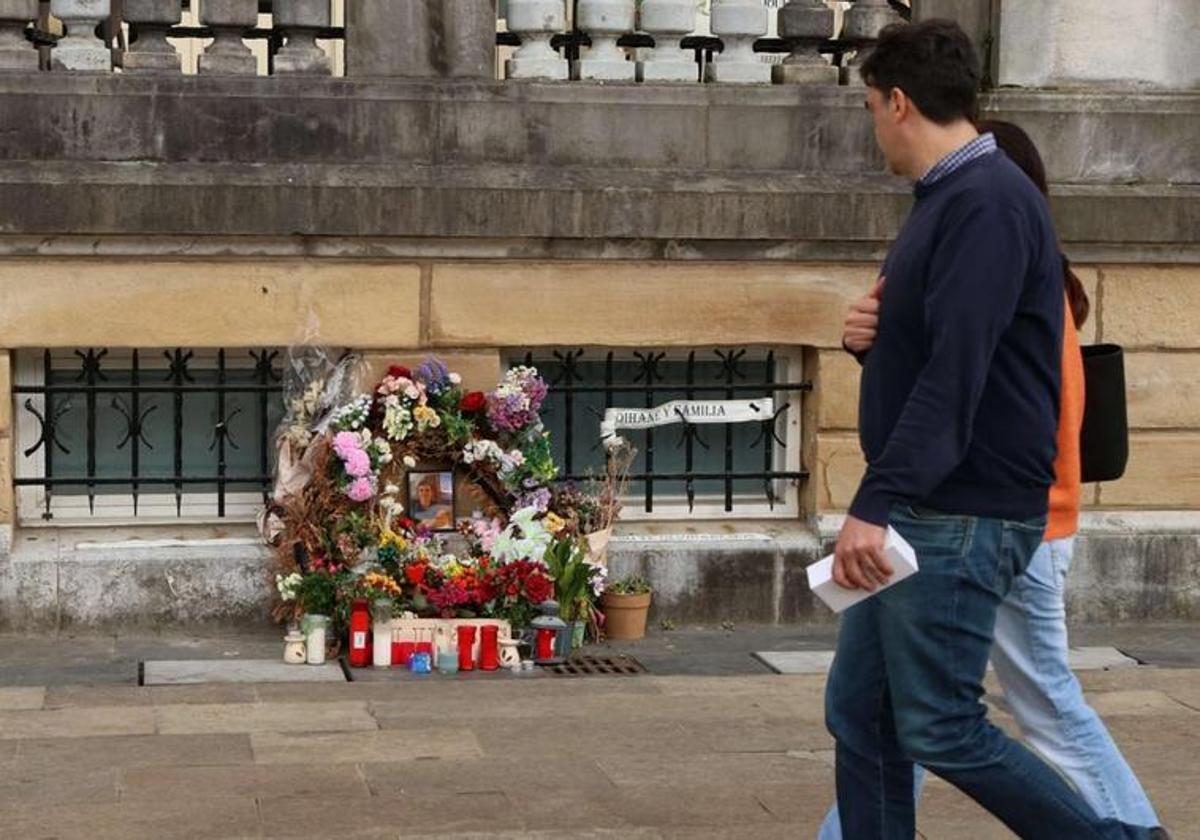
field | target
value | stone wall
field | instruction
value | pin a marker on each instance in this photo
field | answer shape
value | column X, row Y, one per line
column 1147, row 310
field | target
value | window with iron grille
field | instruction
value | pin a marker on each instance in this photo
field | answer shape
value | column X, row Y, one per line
column 163, row 434
column 687, row 470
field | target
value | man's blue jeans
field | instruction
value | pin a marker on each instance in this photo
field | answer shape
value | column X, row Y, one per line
column 1030, row 657
column 907, row 682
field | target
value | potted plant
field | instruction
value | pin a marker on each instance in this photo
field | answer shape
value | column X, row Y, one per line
column 574, row 574
column 316, row 597
column 626, row 603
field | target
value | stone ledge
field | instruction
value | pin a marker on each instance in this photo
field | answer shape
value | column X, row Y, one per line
column 525, row 202
column 1086, row 136
column 1128, row 566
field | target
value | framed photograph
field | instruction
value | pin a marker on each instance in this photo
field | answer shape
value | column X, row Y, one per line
column 431, row 499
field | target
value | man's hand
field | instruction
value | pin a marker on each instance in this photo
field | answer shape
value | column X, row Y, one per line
column 862, row 321
column 859, row 562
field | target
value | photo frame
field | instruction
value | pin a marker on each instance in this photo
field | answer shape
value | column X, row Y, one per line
column 430, row 498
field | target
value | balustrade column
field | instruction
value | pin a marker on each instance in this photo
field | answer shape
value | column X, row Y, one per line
column 228, row 55
column 739, row 23
column 152, row 20
column 79, row 48
column 806, row 23
column 605, row 21
column 16, row 53
column 668, row 21
column 300, row 20
column 863, row 23
column 536, row 22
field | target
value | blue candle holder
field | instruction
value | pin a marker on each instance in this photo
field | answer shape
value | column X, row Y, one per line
column 421, row 663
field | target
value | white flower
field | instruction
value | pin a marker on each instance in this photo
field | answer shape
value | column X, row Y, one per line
column 287, row 585
column 412, row 392
column 455, row 379
column 410, row 461
column 391, row 490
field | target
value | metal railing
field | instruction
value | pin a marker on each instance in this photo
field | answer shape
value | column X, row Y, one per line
column 48, row 404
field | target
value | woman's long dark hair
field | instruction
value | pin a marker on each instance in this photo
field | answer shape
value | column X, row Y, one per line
column 1015, row 143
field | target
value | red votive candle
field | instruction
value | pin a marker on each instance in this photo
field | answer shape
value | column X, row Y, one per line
column 406, row 652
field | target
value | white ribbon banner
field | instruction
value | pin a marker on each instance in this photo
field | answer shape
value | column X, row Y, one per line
column 686, row 411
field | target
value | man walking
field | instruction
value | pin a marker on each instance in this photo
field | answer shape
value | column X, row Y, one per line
column 957, row 418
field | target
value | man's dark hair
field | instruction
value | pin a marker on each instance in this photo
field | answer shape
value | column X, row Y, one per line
column 933, row 62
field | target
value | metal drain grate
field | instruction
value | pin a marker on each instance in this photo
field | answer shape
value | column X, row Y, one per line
column 586, row 665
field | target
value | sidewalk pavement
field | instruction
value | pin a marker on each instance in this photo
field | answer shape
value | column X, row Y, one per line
column 737, row 755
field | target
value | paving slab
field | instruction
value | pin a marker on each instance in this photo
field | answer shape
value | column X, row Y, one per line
column 708, row 805
column 481, row 812
column 947, row 814
column 22, row 698
column 77, row 696
column 577, row 774
column 796, row 661
column 134, row 751
column 26, row 787
column 191, row 818
column 591, row 737
column 76, row 723
column 1138, row 702
column 739, row 770
column 152, row 784
column 200, row 671
column 363, row 747
column 345, row 716
column 1098, row 658
column 1091, row 658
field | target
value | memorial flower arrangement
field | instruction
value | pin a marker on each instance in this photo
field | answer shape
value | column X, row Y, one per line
column 346, row 534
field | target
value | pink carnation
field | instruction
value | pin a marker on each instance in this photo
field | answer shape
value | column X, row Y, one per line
column 345, row 443
column 358, row 463
column 360, row 490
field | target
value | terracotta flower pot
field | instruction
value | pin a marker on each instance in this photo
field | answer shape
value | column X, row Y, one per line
column 625, row 615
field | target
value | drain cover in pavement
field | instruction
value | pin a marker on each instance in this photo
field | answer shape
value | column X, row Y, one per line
column 586, row 665
column 197, row 671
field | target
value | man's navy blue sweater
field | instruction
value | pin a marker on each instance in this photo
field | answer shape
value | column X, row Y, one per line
column 958, row 406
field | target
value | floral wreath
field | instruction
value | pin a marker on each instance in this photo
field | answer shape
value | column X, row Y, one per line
column 344, row 533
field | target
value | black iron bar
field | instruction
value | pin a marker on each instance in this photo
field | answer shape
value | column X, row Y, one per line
column 60, row 481
column 146, row 389
column 48, row 432
column 220, row 433
column 135, row 440
column 700, row 476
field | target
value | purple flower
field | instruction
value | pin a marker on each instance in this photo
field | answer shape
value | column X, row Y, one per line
column 434, row 374
column 539, row 499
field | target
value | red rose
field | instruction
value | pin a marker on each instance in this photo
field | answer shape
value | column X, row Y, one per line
column 472, row 403
column 400, row 372
column 415, row 574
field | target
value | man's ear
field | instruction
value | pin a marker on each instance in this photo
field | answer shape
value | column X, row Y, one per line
column 899, row 105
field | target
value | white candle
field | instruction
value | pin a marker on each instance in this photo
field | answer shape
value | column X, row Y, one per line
column 382, row 652
column 316, row 643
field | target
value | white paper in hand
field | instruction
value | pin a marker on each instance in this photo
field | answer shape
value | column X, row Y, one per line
column 898, row 552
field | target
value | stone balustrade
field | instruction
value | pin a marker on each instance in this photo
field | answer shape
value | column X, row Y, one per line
column 682, row 41
column 153, row 37
column 609, row 41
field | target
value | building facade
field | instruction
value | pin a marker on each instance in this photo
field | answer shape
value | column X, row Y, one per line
column 172, row 242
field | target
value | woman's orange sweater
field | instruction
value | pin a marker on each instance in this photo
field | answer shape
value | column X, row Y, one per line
column 1063, row 519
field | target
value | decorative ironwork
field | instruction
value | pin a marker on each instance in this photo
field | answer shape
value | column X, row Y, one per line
column 717, row 374
column 126, row 383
